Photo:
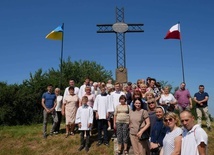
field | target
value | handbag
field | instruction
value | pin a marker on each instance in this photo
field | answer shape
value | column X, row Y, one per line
column 145, row 135
column 171, row 108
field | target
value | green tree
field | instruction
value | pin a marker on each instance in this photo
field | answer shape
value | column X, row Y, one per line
column 21, row 104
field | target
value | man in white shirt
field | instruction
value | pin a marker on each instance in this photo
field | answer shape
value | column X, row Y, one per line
column 114, row 98
column 115, row 95
column 82, row 88
column 71, row 84
column 194, row 138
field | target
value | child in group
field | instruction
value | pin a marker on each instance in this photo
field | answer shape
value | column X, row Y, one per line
column 102, row 108
column 84, row 119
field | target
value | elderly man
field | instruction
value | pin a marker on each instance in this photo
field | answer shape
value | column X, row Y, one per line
column 194, row 138
column 71, row 84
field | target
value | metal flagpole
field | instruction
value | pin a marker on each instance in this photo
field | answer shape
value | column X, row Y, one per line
column 61, row 56
column 182, row 61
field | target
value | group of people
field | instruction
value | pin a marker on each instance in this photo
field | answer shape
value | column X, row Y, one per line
column 131, row 111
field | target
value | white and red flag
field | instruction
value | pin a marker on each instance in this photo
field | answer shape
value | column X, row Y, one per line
column 174, row 32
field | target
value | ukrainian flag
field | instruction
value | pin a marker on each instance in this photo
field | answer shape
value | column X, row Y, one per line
column 56, row 34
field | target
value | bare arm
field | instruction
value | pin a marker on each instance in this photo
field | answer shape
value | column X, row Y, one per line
column 115, row 117
column 177, row 143
column 63, row 109
column 43, row 105
column 161, row 152
column 202, row 148
column 205, row 100
column 190, row 103
column 201, row 102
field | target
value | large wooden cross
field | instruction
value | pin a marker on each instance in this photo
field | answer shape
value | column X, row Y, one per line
column 120, row 28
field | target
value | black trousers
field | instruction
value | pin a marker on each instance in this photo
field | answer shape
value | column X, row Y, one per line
column 102, row 125
column 85, row 142
column 59, row 116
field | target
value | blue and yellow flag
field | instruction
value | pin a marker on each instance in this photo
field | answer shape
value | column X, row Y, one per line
column 56, row 34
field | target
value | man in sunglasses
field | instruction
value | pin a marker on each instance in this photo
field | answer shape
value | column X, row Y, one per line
column 194, row 138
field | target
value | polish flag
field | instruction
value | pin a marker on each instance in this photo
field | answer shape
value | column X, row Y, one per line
column 174, row 32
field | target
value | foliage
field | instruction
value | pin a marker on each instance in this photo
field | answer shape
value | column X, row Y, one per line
column 21, row 104
column 79, row 71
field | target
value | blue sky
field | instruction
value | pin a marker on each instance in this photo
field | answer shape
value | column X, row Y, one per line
column 24, row 49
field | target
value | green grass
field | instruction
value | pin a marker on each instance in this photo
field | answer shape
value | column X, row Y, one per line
column 18, row 140
column 28, row 140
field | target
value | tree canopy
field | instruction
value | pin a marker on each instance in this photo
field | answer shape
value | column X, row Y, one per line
column 21, row 104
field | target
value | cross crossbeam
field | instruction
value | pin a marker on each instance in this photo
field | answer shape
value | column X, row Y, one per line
column 120, row 28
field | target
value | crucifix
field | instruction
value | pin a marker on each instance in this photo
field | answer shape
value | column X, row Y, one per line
column 120, row 28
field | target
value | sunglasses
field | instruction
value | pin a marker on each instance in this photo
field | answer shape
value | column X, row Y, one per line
column 166, row 120
column 151, row 102
column 185, row 120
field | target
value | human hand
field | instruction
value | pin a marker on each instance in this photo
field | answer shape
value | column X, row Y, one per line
column 79, row 125
column 115, row 127
column 153, row 145
column 97, row 116
column 48, row 110
column 89, row 125
column 139, row 134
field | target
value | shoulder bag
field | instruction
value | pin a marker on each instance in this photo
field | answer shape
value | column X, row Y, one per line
column 145, row 135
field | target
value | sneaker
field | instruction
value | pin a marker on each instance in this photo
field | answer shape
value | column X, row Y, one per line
column 56, row 132
column 106, row 143
column 80, row 148
column 72, row 133
column 99, row 143
column 86, row 149
column 109, row 128
column 114, row 136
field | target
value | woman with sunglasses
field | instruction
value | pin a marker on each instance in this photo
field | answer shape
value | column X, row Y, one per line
column 151, row 106
column 139, row 122
column 158, row 132
column 172, row 140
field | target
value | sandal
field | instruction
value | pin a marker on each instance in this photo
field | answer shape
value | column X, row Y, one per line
column 118, row 152
column 72, row 134
column 125, row 152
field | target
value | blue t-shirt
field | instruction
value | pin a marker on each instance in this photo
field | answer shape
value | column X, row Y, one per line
column 200, row 96
column 49, row 99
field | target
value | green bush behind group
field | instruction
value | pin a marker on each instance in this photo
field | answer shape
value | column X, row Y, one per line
column 20, row 104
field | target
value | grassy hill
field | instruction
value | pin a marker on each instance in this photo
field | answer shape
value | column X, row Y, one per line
column 28, row 140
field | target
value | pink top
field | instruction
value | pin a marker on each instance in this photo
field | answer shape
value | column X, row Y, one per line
column 91, row 99
column 182, row 96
